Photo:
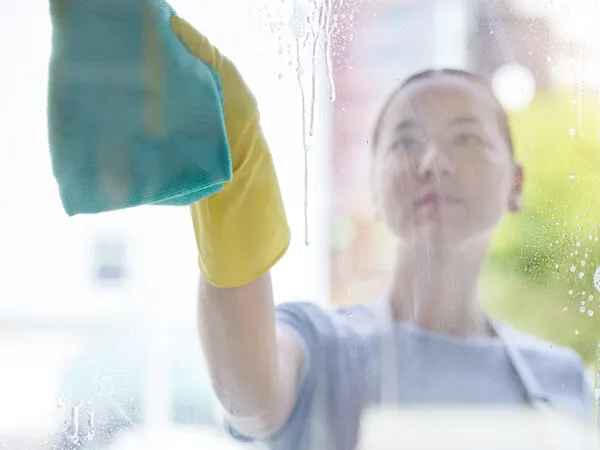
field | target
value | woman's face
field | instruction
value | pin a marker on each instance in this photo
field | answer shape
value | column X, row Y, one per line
column 442, row 168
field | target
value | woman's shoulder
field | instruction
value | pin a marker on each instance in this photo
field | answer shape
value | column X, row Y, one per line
column 537, row 348
column 560, row 369
column 324, row 322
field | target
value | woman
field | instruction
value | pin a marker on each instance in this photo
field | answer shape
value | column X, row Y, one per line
column 299, row 377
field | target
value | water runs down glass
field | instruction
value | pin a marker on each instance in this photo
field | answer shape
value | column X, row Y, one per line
column 597, row 378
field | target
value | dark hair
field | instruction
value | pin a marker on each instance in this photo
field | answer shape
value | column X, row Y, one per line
column 452, row 72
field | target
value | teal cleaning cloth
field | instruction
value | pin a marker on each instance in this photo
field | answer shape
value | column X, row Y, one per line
column 133, row 118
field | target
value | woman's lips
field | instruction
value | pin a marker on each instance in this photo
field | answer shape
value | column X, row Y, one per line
column 435, row 199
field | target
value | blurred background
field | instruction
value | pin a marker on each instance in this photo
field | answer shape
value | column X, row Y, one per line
column 98, row 347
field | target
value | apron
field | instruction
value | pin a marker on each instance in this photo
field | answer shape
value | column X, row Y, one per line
column 534, row 393
column 535, row 396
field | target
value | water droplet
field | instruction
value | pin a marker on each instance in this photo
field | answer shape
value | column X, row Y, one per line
column 590, row 237
column 92, row 427
column 576, row 332
column 597, row 279
column 577, row 244
column 590, row 298
column 548, row 58
column 590, row 312
column 572, row 269
column 581, row 275
column 572, row 133
column 566, row 308
column 582, row 309
column 556, row 266
column 62, row 401
column 582, row 263
column 74, row 435
column 571, row 292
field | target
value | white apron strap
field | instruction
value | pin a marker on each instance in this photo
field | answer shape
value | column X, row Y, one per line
column 536, row 396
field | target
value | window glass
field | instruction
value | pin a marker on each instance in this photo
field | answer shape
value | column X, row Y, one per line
column 98, row 319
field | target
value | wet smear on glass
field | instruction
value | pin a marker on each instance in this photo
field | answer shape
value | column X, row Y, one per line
column 583, row 55
column 574, row 103
column 599, row 115
column 328, row 55
column 597, row 390
column 597, row 279
column 309, row 27
column 74, row 425
column 91, row 427
column 314, row 25
column 299, row 26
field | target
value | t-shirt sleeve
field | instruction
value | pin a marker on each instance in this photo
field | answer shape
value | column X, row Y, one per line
column 317, row 333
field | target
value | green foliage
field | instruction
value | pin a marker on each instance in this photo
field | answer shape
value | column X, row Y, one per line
column 544, row 258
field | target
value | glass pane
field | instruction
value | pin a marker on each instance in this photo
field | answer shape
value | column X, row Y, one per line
column 437, row 161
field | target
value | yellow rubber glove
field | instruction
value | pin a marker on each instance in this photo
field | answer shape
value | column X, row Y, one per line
column 242, row 231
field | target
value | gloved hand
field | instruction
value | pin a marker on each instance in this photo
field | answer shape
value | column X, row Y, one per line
column 242, row 231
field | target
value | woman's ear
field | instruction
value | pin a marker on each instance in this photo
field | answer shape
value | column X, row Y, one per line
column 516, row 192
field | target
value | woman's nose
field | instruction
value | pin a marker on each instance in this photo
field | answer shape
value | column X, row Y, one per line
column 433, row 163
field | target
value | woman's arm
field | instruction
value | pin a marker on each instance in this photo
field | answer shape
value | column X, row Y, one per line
column 254, row 367
column 241, row 232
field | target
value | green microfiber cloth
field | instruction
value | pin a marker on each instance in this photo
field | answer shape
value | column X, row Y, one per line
column 134, row 119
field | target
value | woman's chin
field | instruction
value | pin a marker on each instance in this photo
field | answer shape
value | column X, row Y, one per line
column 448, row 227
column 439, row 232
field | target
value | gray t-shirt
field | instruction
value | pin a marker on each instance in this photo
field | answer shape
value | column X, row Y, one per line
column 357, row 357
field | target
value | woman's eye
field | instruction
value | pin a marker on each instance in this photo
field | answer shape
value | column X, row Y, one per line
column 468, row 139
column 406, row 143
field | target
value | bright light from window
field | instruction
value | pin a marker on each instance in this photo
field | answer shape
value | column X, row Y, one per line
column 514, row 85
